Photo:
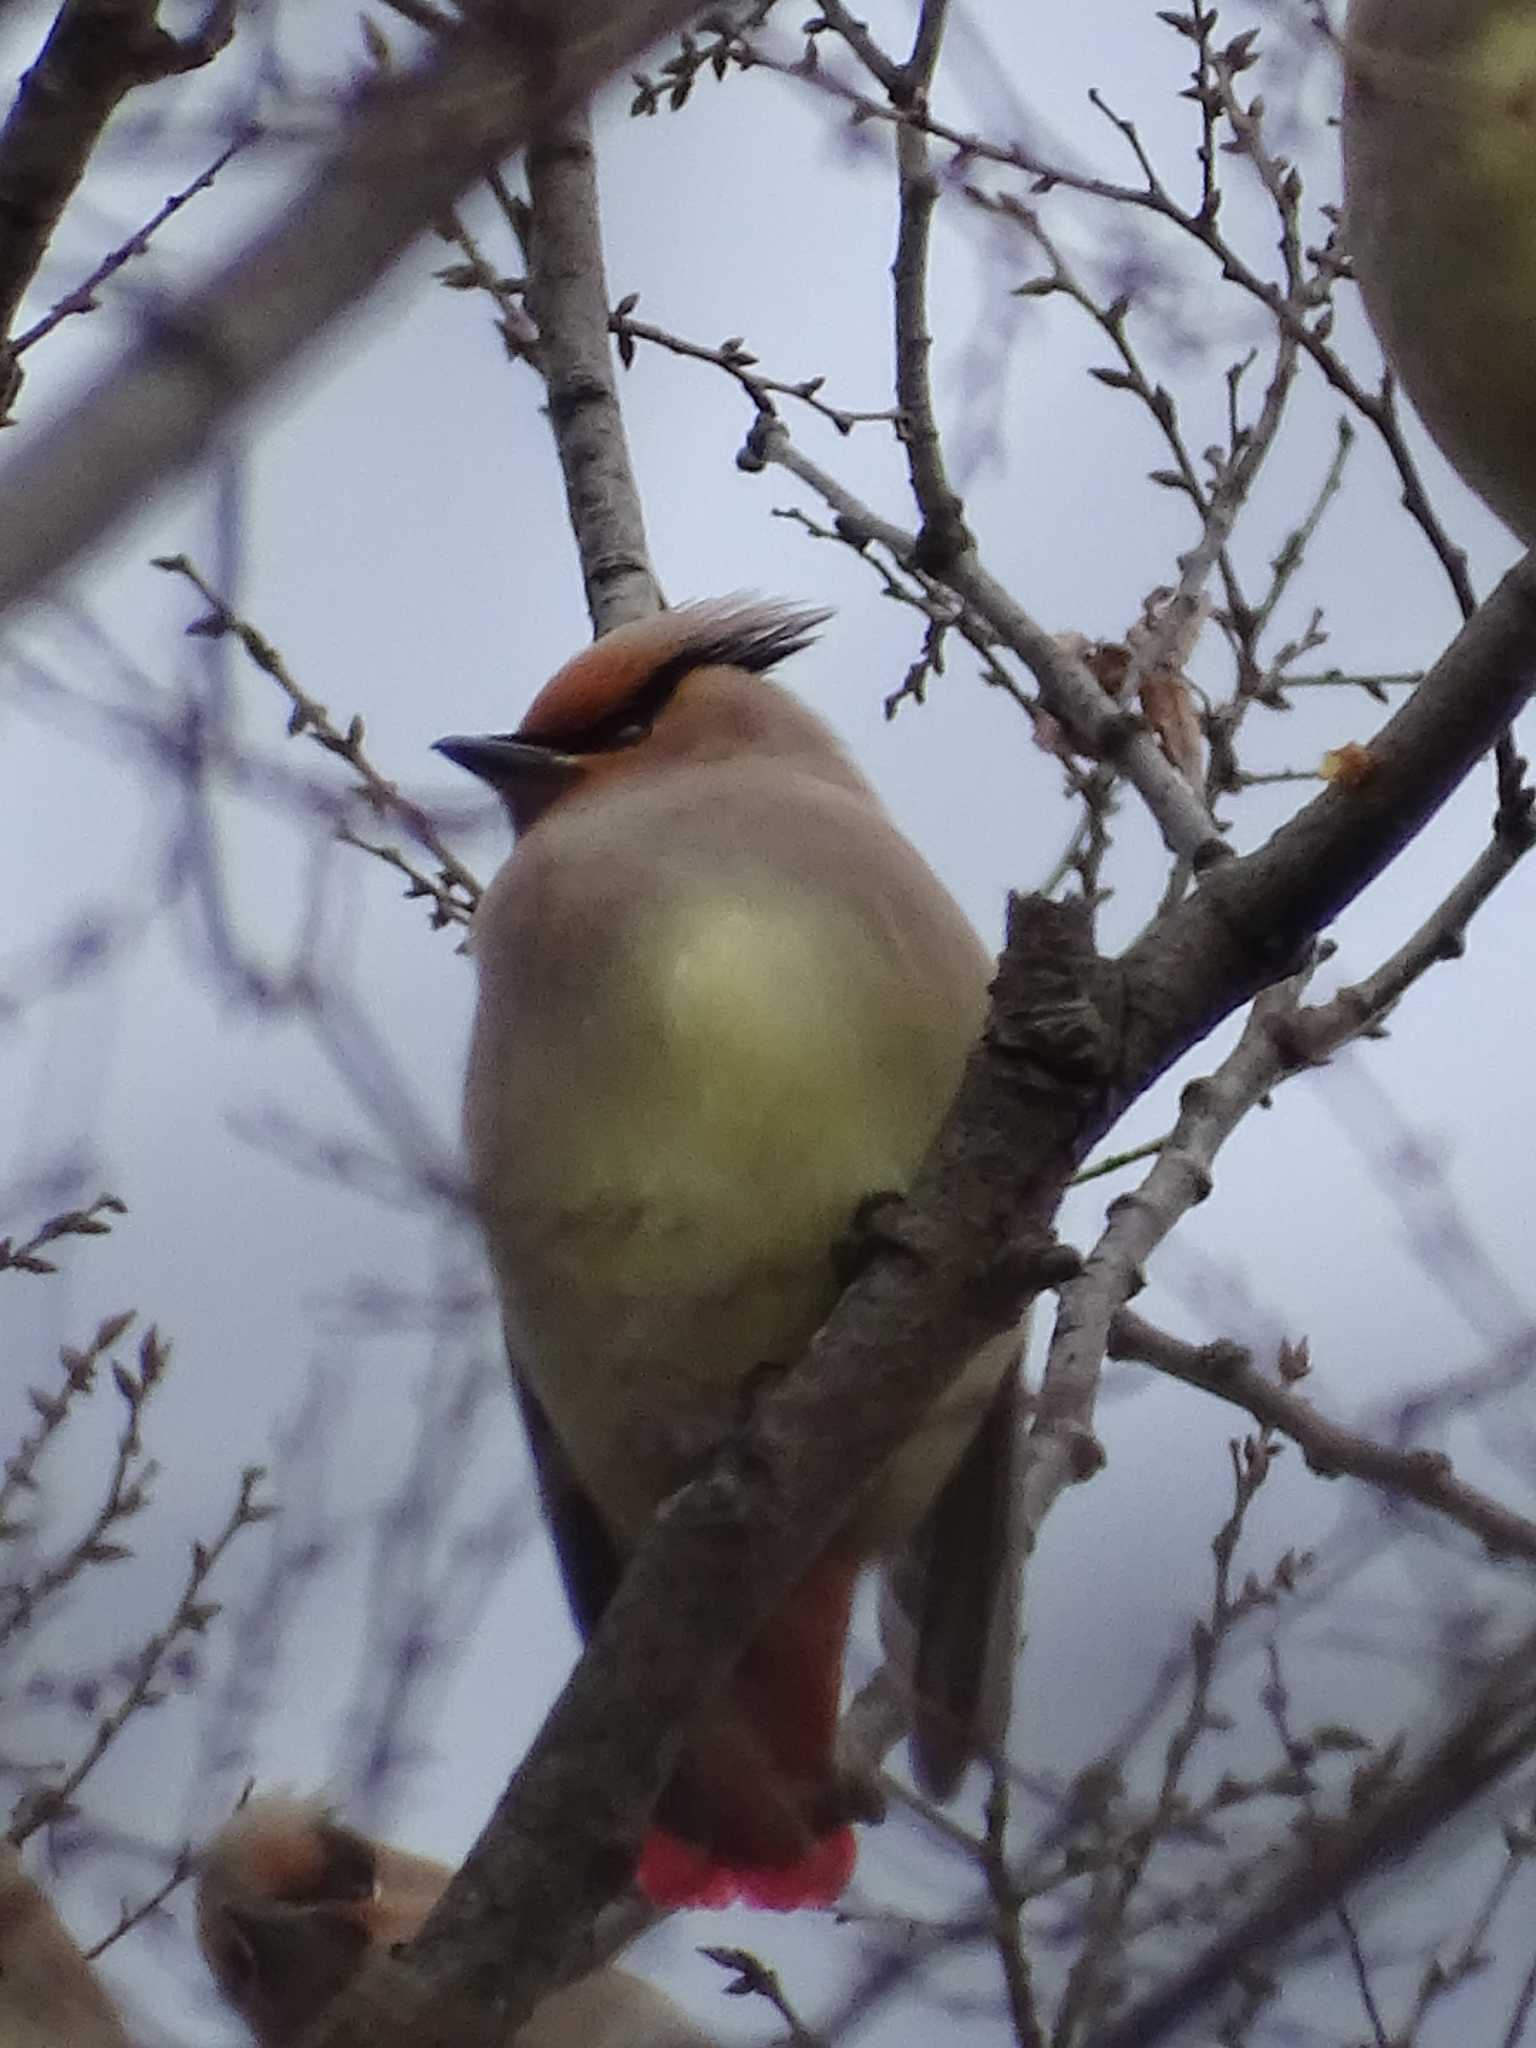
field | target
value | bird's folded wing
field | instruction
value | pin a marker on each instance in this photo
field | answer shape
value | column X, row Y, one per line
column 957, row 1583
column 584, row 1549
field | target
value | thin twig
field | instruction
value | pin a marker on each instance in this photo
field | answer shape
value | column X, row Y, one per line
column 1092, row 1983
column 190, row 1616
column 1007, row 1932
column 1298, row 1756
column 942, row 535
column 1488, row 1738
column 126, row 1492
column 133, row 1916
column 1098, row 726
column 454, row 890
column 84, row 299
column 1330, row 1448
column 737, row 361
column 97, row 52
column 86, row 1222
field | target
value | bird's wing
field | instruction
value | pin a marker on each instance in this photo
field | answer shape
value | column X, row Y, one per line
column 956, row 1582
column 584, row 1549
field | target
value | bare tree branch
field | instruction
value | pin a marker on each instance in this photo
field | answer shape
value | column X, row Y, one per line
column 189, row 1617
column 1321, row 1029
column 1280, row 1038
column 1096, row 723
column 1251, row 918
column 453, row 890
column 1072, row 1041
column 1061, row 1446
column 97, row 51
column 1330, row 1448
column 409, row 148
column 1493, row 1734
column 943, row 534
column 568, row 298
column 82, row 298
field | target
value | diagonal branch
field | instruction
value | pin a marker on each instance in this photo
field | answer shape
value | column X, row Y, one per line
column 82, row 297
column 1098, row 725
column 1330, row 1448
column 1492, row 1735
column 1442, row 936
column 1252, row 918
column 96, row 53
column 1280, row 1038
column 410, row 147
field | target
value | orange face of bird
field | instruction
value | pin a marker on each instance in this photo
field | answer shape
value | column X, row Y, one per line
column 664, row 687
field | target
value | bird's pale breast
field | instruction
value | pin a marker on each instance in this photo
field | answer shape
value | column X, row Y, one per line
column 671, row 1135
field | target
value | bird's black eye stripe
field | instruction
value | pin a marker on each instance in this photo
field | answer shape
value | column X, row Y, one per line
column 632, row 720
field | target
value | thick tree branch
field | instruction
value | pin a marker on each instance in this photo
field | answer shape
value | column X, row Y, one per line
column 1280, row 1038
column 409, row 149
column 1057, row 1063
column 1252, row 919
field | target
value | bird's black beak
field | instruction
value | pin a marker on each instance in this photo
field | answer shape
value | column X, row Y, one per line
column 508, row 763
column 528, row 775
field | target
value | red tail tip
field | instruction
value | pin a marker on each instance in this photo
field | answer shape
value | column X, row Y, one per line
column 676, row 1873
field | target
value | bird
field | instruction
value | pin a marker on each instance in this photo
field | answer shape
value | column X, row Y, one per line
column 291, row 1903
column 724, row 1005
column 48, row 1994
column 1439, row 152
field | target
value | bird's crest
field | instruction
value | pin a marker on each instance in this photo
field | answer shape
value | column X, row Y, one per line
column 282, row 1847
column 647, row 659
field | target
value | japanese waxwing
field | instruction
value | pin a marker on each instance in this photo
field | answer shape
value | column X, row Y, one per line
column 290, row 1903
column 1439, row 137
column 722, row 1001
column 48, row 1995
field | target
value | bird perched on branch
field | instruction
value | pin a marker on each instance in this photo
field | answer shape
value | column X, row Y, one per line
column 290, row 1904
column 723, row 1002
column 1439, row 138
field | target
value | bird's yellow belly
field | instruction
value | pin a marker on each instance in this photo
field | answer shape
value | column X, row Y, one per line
column 667, row 1199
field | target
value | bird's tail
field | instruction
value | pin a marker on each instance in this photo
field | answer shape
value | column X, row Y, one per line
column 757, row 1811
